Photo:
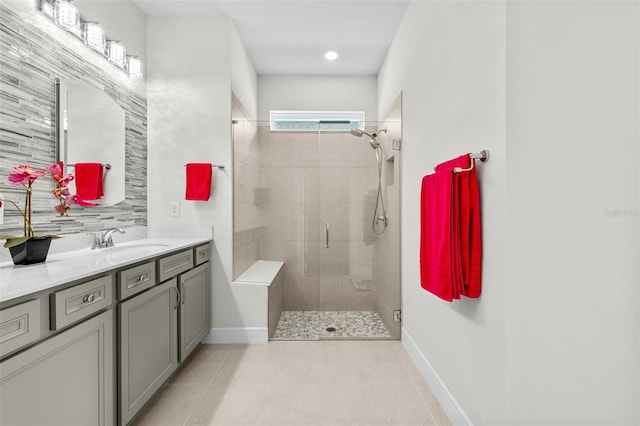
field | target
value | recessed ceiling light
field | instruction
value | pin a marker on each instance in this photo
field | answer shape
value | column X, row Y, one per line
column 331, row 55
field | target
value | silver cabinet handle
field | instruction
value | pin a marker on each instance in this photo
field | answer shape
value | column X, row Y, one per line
column 89, row 298
column 327, row 229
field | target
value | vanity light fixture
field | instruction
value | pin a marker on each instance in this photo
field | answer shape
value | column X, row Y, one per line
column 67, row 16
column 117, row 53
column 134, row 65
column 94, row 36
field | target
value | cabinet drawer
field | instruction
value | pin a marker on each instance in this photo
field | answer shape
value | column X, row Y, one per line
column 19, row 326
column 133, row 280
column 201, row 254
column 170, row 266
column 75, row 303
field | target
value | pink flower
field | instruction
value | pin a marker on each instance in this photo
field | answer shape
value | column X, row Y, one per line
column 24, row 175
column 55, row 168
column 65, row 180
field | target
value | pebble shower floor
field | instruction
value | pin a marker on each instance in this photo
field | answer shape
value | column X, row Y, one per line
column 313, row 325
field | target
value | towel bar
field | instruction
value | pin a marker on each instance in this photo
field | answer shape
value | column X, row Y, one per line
column 106, row 166
column 219, row 166
column 482, row 156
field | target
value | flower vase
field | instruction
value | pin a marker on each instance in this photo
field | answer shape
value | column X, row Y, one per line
column 34, row 250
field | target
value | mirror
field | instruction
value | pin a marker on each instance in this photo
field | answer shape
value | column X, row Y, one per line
column 91, row 129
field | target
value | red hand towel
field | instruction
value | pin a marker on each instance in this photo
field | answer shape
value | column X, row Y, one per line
column 198, row 181
column 469, row 224
column 437, row 265
column 89, row 180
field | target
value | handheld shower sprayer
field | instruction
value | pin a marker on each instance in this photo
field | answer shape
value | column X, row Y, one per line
column 377, row 218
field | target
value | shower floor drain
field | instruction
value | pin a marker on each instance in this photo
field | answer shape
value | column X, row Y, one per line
column 330, row 329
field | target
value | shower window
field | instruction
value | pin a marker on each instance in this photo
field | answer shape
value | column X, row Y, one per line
column 314, row 121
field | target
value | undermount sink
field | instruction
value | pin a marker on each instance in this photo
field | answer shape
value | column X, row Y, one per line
column 126, row 246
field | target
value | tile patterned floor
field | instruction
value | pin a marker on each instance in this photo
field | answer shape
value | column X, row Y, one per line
column 296, row 383
column 312, row 325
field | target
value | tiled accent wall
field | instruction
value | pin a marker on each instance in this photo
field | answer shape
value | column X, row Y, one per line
column 30, row 62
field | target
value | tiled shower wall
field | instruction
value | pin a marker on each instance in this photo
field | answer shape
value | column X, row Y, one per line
column 313, row 179
column 386, row 250
column 30, row 62
column 248, row 200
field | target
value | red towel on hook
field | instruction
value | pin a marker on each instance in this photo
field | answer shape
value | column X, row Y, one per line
column 198, row 181
column 437, row 265
column 89, row 180
column 467, row 206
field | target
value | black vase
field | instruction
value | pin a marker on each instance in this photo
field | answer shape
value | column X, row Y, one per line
column 34, row 250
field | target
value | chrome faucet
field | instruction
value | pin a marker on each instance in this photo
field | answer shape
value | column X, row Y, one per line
column 104, row 239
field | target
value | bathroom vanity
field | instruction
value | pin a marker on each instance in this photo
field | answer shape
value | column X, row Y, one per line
column 91, row 335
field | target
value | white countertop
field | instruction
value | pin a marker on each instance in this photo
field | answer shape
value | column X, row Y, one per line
column 66, row 266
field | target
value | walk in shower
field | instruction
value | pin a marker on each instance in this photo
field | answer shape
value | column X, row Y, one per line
column 327, row 204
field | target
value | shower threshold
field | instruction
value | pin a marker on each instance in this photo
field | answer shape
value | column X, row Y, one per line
column 330, row 325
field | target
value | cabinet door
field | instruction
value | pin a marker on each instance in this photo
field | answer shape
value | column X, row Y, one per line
column 194, row 308
column 66, row 380
column 148, row 345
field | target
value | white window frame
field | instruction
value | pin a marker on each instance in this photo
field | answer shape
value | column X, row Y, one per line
column 311, row 116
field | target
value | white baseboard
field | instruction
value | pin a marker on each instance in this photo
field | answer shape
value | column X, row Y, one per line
column 439, row 389
column 237, row 335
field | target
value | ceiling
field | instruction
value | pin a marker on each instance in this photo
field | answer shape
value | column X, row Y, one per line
column 288, row 37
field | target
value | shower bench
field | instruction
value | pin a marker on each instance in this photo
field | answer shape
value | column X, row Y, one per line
column 264, row 278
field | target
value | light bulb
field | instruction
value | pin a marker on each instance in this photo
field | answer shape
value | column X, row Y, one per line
column 117, row 53
column 47, row 8
column 135, row 66
column 94, row 36
column 66, row 16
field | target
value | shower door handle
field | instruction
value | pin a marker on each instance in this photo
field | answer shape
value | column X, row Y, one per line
column 327, row 229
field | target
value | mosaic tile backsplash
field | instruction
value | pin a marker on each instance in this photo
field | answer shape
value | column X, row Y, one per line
column 30, row 63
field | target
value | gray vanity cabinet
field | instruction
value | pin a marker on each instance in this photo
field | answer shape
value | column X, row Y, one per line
column 65, row 380
column 194, row 308
column 148, row 345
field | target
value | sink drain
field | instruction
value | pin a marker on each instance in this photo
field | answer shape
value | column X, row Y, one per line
column 330, row 329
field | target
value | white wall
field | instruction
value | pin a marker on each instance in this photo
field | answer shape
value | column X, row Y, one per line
column 448, row 61
column 572, row 187
column 551, row 89
column 244, row 81
column 191, row 72
column 317, row 93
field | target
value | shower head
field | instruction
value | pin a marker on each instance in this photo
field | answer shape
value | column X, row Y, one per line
column 358, row 132
column 372, row 136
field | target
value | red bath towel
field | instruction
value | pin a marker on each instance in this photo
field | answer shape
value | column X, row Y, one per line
column 198, row 181
column 437, row 265
column 89, row 180
column 467, row 204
